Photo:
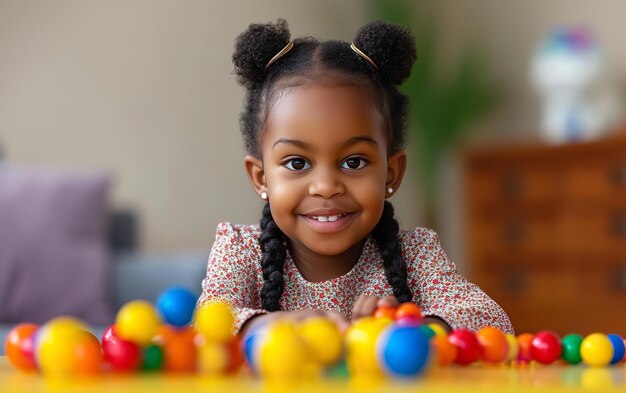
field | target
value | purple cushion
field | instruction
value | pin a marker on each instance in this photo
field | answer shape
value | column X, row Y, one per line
column 53, row 247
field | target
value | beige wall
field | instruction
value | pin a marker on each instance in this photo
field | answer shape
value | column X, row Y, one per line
column 144, row 89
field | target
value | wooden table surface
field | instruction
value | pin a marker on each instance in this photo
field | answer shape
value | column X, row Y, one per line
column 478, row 378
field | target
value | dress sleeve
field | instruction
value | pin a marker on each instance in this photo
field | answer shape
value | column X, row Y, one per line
column 232, row 273
column 442, row 292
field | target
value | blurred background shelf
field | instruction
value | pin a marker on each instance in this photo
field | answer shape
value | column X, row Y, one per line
column 546, row 233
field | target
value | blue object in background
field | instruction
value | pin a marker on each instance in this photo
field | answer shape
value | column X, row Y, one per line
column 176, row 306
column 618, row 348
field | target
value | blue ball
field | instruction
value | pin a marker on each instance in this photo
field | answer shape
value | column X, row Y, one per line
column 403, row 351
column 176, row 306
column 618, row 348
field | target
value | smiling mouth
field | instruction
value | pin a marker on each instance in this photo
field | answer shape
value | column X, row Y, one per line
column 328, row 218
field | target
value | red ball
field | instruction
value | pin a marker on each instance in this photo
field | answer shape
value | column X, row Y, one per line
column 122, row 355
column 523, row 341
column 546, row 347
column 468, row 347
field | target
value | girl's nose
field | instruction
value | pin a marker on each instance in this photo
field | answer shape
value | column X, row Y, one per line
column 326, row 184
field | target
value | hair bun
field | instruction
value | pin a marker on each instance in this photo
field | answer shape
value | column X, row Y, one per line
column 391, row 47
column 255, row 47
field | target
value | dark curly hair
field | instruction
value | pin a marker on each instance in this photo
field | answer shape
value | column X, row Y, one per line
column 392, row 49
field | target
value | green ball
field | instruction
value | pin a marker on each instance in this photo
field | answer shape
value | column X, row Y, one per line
column 428, row 331
column 152, row 357
column 571, row 348
column 338, row 371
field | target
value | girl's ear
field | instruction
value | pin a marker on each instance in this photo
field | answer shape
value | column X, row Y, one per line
column 256, row 174
column 396, row 165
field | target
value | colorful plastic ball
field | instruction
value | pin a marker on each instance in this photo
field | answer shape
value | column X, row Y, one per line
column 281, row 352
column 213, row 357
column 152, row 357
column 427, row 330
column 179, row 348
column 468, row 347
column 122, row 355
column 176, row 306
column 438, row 329
column 408, row 309
column 360, row 342
column 445, row 351
column 409, row 320
column 385, row 312
column 513, row 347
column 215, row 321
column 524, row 342
column 19, row 346
column 571, row 348
column 323, row 338
column 546, row 347
column 250, row 344
column 618, row 348
column 403, row 351
column 137, row 321
column 88, row 356
column 495, row 347
column 235, row 354
column 596, row 350
column 55, row 347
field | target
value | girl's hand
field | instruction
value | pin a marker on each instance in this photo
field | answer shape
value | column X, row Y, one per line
column 340, row 320
column 365, row 305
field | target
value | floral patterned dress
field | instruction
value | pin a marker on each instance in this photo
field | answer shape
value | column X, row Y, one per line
column 234, row 275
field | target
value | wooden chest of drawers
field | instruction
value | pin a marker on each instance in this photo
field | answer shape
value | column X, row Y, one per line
column 546, row 233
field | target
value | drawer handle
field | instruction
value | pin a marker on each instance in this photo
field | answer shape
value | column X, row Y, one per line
column 618, row 226
column 512, row 185
column 515, row 283
column 618, row 175
column 514, row 232
column 617, row 278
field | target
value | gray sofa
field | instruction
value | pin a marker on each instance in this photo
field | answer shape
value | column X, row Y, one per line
column 142, row 275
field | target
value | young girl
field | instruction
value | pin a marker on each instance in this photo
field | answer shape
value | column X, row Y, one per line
column 324, row 127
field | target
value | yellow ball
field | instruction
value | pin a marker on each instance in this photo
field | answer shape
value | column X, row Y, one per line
column 361, row 340
column 438, row 329
column 596, row 350
column 213, row 357
column 281, row 352
column 215, row 321
column 137, row 321
column 323, row 338
column 513, row 347
column 56, row 342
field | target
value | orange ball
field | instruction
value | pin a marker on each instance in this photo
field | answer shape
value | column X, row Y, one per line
column 236, row 359
column 408, row 309
column 524, row 340
column 385, row 312
column 495, row 346
column 88, row 356
column 179, row 349
column 19, row 346
column 445, row 351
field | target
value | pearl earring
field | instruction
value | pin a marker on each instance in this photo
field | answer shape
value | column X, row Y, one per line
column 264, row 195
column 390, row 190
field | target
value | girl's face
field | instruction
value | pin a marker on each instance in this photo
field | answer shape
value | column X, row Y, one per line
column 325, row 166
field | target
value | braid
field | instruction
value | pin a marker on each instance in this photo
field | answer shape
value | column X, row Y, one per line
column 272, row 242
column 386, row 235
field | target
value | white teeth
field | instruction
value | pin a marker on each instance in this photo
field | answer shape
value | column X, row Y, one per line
column 327, row 218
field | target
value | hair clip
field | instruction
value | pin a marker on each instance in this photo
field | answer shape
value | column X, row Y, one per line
column 363, row 55
column 280, row 54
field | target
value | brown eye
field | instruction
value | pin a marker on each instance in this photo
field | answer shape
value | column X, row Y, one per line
column 297, row 164
column 354, row 163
